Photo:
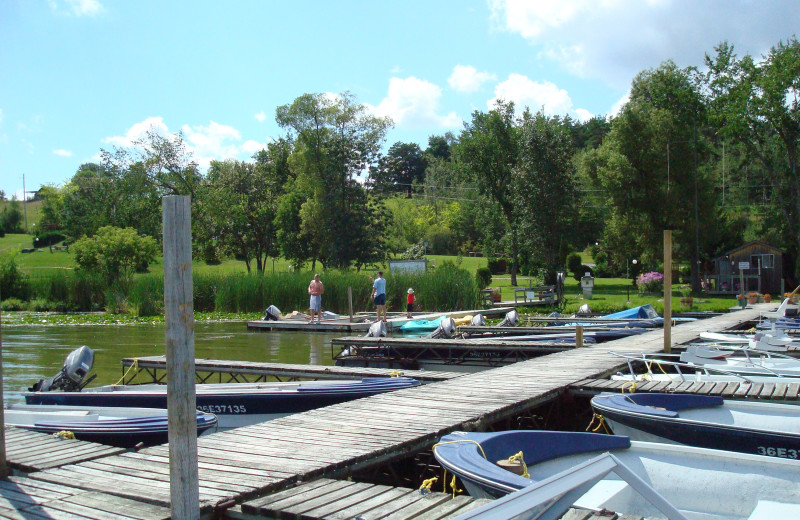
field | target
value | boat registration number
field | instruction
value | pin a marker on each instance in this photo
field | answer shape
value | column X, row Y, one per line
column 786, row 453
column 222, row 408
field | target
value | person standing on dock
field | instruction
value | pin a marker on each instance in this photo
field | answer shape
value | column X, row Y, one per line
column 315, row 290
column 410, row 303
column 379, row 295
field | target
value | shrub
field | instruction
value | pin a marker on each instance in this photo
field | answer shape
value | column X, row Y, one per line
column 48, row 238
column 115, row 252
column 574, row 265
column 498, row 265
column 483, row 277
column 585, row 269
column 13, row 282
column 12, row 304
column 650, row 282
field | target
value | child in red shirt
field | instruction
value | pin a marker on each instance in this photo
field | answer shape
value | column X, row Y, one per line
column 409, row 302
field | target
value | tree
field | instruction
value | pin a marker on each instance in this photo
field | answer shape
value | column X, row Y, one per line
column 336, row 139
column 115, row 253
column 488, row 153
column 11, row 217
column 402, row 167
column 546, row 203
column 757, row 106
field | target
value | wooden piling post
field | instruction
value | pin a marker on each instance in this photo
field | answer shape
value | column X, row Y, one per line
column 3, row 461
column 350, row 301
column 179, row 317
column 668, row 291
column 578, row 336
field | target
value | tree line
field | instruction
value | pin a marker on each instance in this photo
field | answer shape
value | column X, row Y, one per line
column 710, row 151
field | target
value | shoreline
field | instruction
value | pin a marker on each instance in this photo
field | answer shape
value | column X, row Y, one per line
column 32, row 318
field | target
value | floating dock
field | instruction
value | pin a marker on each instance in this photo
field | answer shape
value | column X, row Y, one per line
column 362, row 322
column 249, row 463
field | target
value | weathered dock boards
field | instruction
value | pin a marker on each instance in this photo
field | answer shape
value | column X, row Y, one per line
column 327, row 498
column 246, row 463
column 783, row 392
column 152, row 369
column 28, row 451
column 364, row 321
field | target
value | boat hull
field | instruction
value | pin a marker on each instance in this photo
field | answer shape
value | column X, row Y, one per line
column 704, row 421
column 235, row 407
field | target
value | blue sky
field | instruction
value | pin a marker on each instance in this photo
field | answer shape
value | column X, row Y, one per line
column 78, row 76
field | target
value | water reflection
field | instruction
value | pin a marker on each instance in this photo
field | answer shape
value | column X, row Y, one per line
column 32, row 353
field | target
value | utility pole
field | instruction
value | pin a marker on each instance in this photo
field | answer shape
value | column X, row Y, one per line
column 25, row 202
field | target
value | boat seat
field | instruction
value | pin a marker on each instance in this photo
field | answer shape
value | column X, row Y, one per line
column 769, row 510
column 596, row 498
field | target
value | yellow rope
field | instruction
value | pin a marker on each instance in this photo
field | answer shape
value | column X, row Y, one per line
column 395, row 373
column 453, row 485
column 64, row 434
column 630, row 386
column 135, row 365
column 459, row 441
column 519, row 457
column 426, row 485
column 601, row 423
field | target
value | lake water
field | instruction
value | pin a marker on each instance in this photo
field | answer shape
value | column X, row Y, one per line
column 31, row 353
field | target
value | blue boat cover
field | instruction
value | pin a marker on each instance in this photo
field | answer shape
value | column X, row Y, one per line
column 642, row 311
column 657, row 405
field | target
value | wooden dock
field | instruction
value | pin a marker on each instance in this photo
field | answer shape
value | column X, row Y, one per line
column 468, row 355
column 153, row 369
column 362, row 322
column 783, row 392
column 241, row 465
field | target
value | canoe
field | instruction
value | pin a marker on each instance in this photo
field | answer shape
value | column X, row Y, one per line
column 114, row 426
column 698, row 482
column 235, row 404
column 704, row 421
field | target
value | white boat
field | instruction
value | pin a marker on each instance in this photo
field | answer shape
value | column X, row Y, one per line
column 698, row 483
column 775, row 341
column 746, row 362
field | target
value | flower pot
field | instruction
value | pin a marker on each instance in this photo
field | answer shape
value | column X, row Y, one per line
column 767, row 298
column 752, row 299
column 687, row 301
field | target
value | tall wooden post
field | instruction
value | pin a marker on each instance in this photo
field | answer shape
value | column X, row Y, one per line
column 350, row 301
column 578, row 336
column 3, row 461
column 179, row 317
column 668, row 291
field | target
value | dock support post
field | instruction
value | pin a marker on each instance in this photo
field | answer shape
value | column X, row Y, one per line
column 668, row 291
column 3, row 461
column 350, row 302
column 578, row 336
column 179, row 317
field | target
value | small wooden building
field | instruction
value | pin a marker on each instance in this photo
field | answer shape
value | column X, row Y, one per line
column 756, row 263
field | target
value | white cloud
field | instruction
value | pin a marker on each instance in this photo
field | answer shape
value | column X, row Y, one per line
column 617, row 108
column 261, row 117
column 206, row 143
column 615, row 39
column 468, row 79
column 414, row 103
column 78, row 7
column 525, row 92
column 583, row 115
column 62, row 153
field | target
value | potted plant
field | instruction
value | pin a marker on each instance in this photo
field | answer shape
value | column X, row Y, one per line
column 767, row 298
column 752, row 297
column 686, row 295
column 496, row 294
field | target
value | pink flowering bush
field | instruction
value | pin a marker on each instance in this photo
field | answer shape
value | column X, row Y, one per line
column 652, row 282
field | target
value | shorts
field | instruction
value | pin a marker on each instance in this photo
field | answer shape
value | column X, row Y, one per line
column 380, row 299
column 315, row 302
column 409, row 307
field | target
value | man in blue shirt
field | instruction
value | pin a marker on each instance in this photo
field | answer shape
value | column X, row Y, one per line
column 379, row 295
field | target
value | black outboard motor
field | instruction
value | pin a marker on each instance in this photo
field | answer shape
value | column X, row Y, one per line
column 478, row 320
column 272, row 314
column 446, row 329
column 511, row 319
column 76, row 367
column 377, row 330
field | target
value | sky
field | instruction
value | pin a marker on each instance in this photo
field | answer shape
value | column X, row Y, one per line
column 81, row 76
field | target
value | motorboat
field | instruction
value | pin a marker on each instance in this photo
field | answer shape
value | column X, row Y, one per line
column 777, row 341
column 115, row 426
column 747, row 361
column 699, row 483
column 235, row 404
column 704, row 421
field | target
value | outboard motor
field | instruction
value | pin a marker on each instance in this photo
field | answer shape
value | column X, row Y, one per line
column 377, row 330
column 446, row 329
column 511, row 319
column 478, row 320
column 76, row 367
column 272, row 314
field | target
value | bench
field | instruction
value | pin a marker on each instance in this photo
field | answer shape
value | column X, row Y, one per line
column 542, row 293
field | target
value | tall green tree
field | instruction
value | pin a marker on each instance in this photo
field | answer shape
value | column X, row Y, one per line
column 403, row 166
column 488, row 152
column 336, row 140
